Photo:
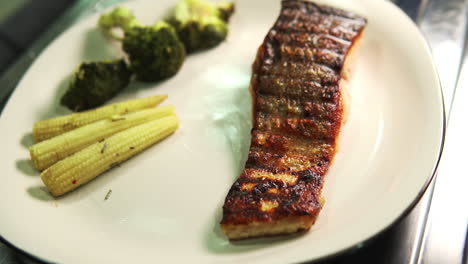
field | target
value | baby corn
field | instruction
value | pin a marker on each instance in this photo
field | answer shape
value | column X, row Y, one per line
column 87, row 164
column 52, row 127
column 48, row 152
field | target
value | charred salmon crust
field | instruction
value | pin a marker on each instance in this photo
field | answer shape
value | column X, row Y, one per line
column 298, row 105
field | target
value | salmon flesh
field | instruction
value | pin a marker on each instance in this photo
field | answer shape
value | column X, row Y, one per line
column 298, row 98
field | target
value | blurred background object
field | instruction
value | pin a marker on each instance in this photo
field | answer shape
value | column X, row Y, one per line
column 22, row 22
column 9, row 8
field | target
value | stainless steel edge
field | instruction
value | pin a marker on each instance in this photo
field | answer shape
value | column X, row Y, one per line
column 405, row 239
column 443, row 24
column 446, row 231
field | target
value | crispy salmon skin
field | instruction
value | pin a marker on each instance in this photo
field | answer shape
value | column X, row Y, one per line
column 298, row 107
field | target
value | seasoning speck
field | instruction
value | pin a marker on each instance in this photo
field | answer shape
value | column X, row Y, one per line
column 103, row 147
column 108, row 194
column 132, row 147
column 74, row 181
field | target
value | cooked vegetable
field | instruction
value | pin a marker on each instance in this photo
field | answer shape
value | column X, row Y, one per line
column 46, row 129
column 120, row 17
column 87, row 164
column 201, row 24
column 225, row 9
column 155, row 52
column 48, row 152
column 94, row 83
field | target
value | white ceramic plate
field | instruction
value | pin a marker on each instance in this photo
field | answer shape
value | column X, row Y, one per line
column 166, row 203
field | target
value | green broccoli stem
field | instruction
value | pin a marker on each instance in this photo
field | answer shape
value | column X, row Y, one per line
column 119, row 18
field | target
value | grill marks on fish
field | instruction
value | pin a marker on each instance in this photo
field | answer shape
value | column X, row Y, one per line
column 298, row 110
column 291, row 201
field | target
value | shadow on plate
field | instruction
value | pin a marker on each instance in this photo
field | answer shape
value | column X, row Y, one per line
column 55, row 108
column 40, row 193
column 26, row 167
column 27, row 140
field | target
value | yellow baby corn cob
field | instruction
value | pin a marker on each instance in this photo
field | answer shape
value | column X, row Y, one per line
column 87, row 164
column 48, row 152
column 46, row 129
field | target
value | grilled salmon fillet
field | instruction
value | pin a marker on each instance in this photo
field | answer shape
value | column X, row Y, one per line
column 298, row 106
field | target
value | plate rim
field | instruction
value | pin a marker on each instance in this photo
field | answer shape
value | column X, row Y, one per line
column 345, row 251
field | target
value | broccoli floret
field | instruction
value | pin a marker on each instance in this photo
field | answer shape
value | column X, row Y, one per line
column 94, row 83
column 121, row 18
column 154, row 52
column 201, row 24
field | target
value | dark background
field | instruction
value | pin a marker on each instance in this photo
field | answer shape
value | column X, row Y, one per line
column 22, row 22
